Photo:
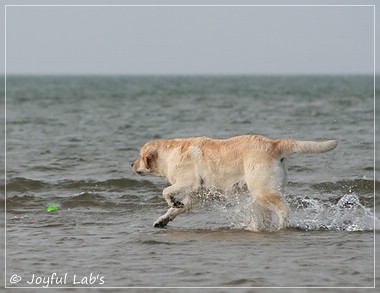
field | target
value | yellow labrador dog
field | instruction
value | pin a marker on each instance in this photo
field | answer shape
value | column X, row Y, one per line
column 254, row 161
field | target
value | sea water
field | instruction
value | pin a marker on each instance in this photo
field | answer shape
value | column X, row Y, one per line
column 70, row 141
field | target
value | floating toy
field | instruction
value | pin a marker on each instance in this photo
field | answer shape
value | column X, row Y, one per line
column 52, row 208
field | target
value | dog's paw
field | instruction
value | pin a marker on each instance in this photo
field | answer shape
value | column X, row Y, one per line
column 161, row 223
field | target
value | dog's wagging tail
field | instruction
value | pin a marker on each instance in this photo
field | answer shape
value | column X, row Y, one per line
column 255, row 162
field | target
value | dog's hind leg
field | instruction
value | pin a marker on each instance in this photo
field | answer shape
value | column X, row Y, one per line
column 269, row 203
column 265, row 182
column 272, row 201
column 269, row 199
column 261, row 219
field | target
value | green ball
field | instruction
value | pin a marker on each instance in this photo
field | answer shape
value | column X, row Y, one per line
column 52, row 208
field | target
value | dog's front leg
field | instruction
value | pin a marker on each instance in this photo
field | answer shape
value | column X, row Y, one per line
column 162, row 221
column 170, row 191
column 176, row 206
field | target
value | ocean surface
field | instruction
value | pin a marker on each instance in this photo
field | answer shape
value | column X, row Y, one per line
column 70, row 141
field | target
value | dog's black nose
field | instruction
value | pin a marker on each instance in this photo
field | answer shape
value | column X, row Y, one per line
column 132, row 165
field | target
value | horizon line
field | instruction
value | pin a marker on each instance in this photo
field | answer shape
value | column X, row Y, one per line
column 193, row 74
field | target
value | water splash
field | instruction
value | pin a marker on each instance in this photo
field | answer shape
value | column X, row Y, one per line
column 346, row 213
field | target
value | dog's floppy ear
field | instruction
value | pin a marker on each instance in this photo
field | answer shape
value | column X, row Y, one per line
column 150, row 159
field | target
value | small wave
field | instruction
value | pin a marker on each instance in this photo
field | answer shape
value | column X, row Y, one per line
column 18, row 201
column 96, row 200
column 154, row 242
column 121, row 184
column 88, row 199
column 20, row 184
column 348, row 186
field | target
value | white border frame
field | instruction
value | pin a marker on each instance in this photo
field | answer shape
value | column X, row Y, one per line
column 187, row 5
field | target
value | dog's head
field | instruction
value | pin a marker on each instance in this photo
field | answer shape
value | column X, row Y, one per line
column 147, row 162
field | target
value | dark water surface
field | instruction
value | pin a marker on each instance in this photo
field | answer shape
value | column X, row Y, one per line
column 70, row 143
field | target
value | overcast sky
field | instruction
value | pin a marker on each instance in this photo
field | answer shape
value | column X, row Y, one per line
column 190, row 40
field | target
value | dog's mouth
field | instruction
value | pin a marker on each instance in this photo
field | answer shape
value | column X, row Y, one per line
column 140, row 173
